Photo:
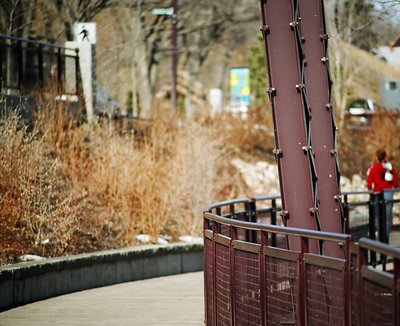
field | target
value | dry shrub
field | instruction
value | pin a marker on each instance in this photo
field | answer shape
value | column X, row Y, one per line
column 68, row 188
column 193, row 178
column 384, row 133
column 251, row 137
column 33, row 203
column 152, row 185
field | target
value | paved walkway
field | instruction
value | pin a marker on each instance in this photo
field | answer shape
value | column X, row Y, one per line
column 171, row 300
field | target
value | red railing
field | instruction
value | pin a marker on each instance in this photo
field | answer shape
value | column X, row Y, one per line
column 252, row 278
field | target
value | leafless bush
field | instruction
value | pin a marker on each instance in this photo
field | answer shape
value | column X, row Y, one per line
column 34, row 205
column 67, row 187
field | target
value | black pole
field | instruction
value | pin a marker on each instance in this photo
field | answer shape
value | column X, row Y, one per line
column 40, row 67
column 1, row 65
column 77, row 74
column 174, row 54
column 59, row 71
column 20, row 68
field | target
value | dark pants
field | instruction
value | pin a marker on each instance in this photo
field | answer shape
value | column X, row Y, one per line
column 388, row 199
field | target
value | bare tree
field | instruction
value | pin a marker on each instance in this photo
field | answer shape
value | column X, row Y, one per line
column 72, row 11
column 146, row 46
column 17, row 17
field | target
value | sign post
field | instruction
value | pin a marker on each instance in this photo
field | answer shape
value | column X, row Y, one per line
column 172, row 11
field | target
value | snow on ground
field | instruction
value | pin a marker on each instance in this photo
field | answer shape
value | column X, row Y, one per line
column 190, row 239
column 29, row 257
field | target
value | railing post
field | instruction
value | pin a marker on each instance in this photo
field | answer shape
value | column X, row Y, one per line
column 214, row 290
column 347, row 282
column 218, row 212
column 232, row 212
column 20, row 67
column 263, row 285
column 206, row 226
column 396, row 290
column 372, row 223
column 302, row 282
column 233, row 232
column 346, row 213
column 40, row 66
column 362, row 261
column 273, row 221
column 253, row 219
column 59, row 71
column 1, row 66
column 248, row 218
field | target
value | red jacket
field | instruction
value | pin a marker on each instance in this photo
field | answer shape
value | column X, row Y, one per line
column 376, row 178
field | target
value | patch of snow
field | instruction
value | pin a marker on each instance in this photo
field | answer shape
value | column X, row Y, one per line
column 190, row 239
column 162, row 241
column 31, row 258
column 143, row 238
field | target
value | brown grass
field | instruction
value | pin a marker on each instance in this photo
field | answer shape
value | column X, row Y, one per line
column 67, row 188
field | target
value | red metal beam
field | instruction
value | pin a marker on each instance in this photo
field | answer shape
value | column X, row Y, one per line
column 323, row 129
column 291, row 117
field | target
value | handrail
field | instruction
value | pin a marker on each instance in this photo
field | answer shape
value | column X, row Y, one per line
column 380, row 247
column 227, row 203
column 284, row 230
column 52, row 45
column 272, row 197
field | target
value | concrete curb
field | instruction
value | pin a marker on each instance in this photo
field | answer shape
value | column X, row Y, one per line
column 33, row 281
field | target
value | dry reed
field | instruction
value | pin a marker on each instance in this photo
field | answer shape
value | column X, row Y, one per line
column 67, row 188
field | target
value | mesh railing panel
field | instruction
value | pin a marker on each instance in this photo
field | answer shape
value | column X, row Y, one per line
column 247, row 288
column 377, row 304
column 223, row 282
column 282, row 279
column 325, row 296
column 209, row 277
column 225, row 230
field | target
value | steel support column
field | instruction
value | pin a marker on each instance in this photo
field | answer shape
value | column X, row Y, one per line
column 323, row 129
column 294, row 153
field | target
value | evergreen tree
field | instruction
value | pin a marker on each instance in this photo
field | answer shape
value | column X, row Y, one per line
column 258, row 73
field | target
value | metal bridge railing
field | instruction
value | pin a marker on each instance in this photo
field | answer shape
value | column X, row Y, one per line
column 28, row 67
column 252, row 279
column 360, row 209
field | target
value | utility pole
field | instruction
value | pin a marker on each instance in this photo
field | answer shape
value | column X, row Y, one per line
column 174, row 53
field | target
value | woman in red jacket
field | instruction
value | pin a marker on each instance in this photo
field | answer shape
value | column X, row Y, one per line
column 381, row 177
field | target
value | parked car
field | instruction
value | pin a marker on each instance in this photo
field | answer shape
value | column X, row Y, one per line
column 361, row 107
column 360, row 112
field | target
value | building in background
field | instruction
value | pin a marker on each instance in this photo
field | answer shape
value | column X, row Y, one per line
column 390, row 54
